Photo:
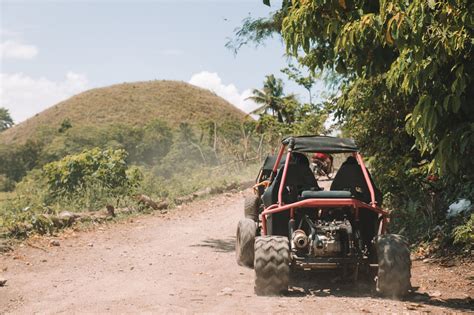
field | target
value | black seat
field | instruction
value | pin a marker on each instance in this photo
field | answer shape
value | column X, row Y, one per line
column 298, row 179
column 268, row 164
column 351, row 179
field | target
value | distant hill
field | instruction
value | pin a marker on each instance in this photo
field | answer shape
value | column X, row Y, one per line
column 133, row 104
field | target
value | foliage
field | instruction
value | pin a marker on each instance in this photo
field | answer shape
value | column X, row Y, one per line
column 106, row 169
column 61, row 176
column 155, row 143
column 256, row 31
column 77, row 167
column 292, row 117
column 146, row 145
column 270, row 98
column 307, row 82
column 420, row 50
column 464, row 234
column 307, row 119
column 16, row 161
column 405, row 97
column 405, row 69
column 6, row 120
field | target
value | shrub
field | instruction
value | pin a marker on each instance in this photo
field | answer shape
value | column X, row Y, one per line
column 92, row 174
column 464, row 234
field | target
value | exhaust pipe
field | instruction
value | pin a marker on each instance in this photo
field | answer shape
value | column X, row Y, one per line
column 300, row 239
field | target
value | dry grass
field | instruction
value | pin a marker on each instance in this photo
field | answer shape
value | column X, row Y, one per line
column 130, row 103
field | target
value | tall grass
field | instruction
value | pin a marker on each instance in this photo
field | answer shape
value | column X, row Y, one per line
column 22, row 211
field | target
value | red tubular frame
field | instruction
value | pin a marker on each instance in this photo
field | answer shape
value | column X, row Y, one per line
column 283, row 179
column 358, row 156
column 322, row 203
column 277, row 162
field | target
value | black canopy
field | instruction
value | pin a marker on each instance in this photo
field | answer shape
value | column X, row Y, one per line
column 324, row 144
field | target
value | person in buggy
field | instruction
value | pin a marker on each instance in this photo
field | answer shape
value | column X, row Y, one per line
column 322, row 164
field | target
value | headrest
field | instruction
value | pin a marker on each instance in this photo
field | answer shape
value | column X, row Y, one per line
column 350, row 160
column 300, row 158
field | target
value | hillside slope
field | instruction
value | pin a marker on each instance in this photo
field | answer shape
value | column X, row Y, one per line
column 130, row 103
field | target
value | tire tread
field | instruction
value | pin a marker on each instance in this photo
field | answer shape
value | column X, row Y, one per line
column 272, row 260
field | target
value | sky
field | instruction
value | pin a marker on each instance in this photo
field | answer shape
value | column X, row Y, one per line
column 51, row 50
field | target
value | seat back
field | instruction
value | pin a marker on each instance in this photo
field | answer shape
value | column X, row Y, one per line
column 351, row 178
column 298, row 178
column 268, row 164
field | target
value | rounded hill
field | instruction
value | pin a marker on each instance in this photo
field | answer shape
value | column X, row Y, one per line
column 133, row 104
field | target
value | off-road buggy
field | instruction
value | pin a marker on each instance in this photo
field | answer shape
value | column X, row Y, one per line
column 291, row 223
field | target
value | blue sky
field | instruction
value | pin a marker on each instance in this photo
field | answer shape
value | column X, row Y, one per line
column 54, row 49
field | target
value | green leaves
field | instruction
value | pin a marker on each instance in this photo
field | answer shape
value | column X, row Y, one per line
column 271, row 97
column 107, row 168
column 464, row 234
column 6, row 120
column 426, row 48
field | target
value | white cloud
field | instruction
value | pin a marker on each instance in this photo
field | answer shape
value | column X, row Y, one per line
column 12, row 49
column 25, row 96
column 212, row 81
column 8, row 33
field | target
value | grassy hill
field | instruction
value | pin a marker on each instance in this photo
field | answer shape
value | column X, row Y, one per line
column 130, row 103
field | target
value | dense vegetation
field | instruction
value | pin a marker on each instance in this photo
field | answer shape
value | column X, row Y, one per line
column 78, row 166
column 405, row 73
column 400, row 78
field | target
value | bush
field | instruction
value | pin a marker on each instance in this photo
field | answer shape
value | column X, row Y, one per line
column 86, row 168
column 17, row 160
column 107, row 167
column 464, row 234
column 86, row 181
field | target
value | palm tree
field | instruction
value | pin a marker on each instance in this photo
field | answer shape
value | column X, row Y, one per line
column 270, row 97
column 290, row 104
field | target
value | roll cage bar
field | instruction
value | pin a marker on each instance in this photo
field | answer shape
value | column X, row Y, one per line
column 356, row 204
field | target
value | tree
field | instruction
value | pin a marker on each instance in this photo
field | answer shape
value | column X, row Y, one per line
column 155, row 143
column 108, row 168
column 420, row 50
column 306, row 82
column 5, row 119
column 17, row 160
column 270, row 97
column 256, row 31
column 405, row 69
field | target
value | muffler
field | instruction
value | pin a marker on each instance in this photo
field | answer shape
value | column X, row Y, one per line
column 299, row 239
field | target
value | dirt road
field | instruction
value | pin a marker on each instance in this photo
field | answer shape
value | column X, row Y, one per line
column 184, row 262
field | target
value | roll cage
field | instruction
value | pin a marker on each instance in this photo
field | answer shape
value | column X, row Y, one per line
column 324, row 144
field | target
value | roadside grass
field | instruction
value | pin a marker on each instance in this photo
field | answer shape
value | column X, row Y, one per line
column 26, row 211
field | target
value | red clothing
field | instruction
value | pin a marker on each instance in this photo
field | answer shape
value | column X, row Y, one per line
column 320, row 156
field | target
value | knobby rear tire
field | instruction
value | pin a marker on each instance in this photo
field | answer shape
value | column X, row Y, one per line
column 272, row 265
column 394, row 270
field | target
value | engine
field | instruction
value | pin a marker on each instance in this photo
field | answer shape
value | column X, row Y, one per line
column 325, row 239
